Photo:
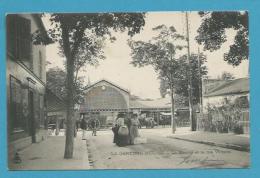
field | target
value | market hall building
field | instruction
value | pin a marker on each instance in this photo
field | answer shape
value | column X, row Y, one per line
column 105, row 100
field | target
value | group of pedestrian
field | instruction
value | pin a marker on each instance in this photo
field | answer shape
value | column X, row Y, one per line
column 93, row 124
column 125, row 130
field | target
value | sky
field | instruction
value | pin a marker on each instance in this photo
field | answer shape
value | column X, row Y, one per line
column 143, row 82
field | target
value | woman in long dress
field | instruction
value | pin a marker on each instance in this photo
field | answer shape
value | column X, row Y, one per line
column 120, row 140
column 134, row 129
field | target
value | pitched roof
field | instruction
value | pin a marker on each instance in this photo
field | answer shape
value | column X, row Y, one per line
column 231, row 87
column 54, row 102
column 42, row 28
column 160, row 103
column 106, row 81
column 156, row 103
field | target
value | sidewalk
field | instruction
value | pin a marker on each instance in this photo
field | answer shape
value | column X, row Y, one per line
column 48, row 155
column 225, row 140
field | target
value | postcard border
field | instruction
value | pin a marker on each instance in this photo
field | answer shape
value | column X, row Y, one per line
column 12, row 6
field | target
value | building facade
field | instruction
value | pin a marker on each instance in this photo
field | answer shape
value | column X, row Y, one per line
column 225, row 91
column 56, row 111
column 227, row 102
column 25, row 81
column 105, row 100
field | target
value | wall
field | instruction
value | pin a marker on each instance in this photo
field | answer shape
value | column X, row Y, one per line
column 107, row 97
column 36, row 49
column 21, row 73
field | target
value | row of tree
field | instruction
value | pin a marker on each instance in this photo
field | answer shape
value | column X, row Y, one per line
column 161, row 52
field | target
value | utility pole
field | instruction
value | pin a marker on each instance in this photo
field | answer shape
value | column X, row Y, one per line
column 200, row 86
column 192, row 119
column 200, row 89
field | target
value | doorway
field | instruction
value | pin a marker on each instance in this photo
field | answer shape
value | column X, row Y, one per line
column 32, row 126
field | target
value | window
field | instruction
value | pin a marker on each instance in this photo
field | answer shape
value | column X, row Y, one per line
column 16, row 120
column 19, row 41
column 242, row 102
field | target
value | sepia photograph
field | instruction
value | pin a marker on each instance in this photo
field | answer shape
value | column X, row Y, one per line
column 128, row 90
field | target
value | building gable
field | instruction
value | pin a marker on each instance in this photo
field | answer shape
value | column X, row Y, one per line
column 104, row 95
column 104, row 82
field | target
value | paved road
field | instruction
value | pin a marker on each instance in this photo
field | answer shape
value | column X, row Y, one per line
column 160, row 152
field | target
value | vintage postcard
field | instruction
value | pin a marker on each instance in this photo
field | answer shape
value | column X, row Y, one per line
column 120, row 90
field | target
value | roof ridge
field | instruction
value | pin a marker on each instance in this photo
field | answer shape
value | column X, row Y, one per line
column 231, row 87
column 109, row 83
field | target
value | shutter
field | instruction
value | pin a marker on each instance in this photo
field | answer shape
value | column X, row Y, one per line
column 16, row 104
column 11, row 31
column 24, row 39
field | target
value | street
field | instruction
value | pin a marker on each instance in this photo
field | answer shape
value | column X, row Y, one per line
column 160, row 152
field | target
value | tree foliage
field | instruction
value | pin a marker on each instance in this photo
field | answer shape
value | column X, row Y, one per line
column 227, row 76
column 160, row 52
column 182, row 84
column 56, row 79
column 81, row 35
column 56, row 82
column 212, row 34
column 181, row 78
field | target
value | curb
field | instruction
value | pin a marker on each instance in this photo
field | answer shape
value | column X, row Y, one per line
column 84, row 153
column 85, row 157
column 229, row 146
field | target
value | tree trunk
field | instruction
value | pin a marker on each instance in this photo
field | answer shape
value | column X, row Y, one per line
column 70, row 110
column 68, row 154
column 173, row 122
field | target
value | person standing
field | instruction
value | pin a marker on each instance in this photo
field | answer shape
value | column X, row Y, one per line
column 83, row 126
column 134, row 129
column 118, row 122
column 94, row 125
column 121, row 131
column 139, row 121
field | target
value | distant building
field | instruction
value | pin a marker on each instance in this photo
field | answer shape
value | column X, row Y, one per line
column 211, row 84
column 217, row 93
column 105, row 100
column 56, row 111
column 25, row 81
column 222, row 91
